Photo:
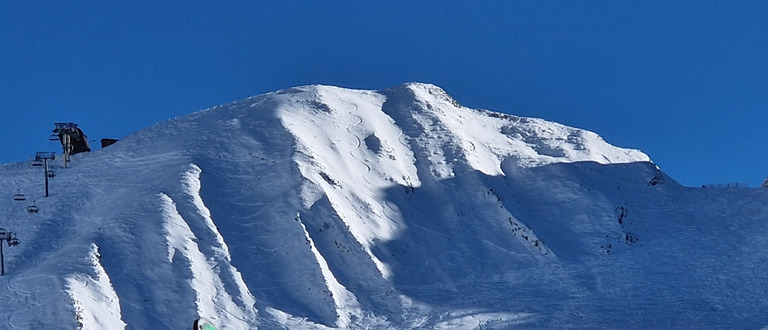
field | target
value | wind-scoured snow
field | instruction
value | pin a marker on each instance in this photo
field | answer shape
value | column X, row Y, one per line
column 320, row 207
column 95, row 301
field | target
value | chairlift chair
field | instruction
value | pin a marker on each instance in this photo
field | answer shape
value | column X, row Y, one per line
column 37, row 162
column 54, row 137
column 19, row 196
column 33, row 208
column 51, row 174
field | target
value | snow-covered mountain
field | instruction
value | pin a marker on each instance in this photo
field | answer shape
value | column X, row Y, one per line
column 321, row 207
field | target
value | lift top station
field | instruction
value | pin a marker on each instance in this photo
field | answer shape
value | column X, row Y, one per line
column 73, row 140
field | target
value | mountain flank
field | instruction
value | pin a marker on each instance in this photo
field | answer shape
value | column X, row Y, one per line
column 320, row 207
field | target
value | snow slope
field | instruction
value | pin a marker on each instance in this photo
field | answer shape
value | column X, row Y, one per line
column 321, row 207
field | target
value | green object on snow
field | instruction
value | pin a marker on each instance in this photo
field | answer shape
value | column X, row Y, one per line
column 203, row 324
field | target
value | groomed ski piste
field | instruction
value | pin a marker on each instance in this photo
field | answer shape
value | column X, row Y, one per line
column 320, row 207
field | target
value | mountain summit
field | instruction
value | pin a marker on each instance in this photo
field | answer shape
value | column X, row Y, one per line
column 321, row 207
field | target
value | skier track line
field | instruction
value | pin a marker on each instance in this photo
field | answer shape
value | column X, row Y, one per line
column 358, row 142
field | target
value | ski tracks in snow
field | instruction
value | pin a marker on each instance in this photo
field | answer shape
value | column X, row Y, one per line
column 358, row 141
column 45, row 291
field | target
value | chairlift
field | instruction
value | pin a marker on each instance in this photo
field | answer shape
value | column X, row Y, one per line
column 51, row 174
column 54, row 137
column 37, row 162
column 33, row 208
column 19, row 196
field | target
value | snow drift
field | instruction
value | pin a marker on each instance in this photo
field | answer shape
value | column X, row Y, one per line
column 322, row 207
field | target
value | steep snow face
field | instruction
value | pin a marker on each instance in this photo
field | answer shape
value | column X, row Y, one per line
column 352, row 147
column 337, row 148
column 321, row 207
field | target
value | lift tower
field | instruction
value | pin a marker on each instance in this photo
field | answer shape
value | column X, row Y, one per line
column 41, row 159
column 10, row 238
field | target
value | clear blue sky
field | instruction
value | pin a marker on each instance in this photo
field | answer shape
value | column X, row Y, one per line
column 684, row 81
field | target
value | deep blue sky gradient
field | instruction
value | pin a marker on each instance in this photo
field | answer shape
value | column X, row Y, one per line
column 684, row 81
